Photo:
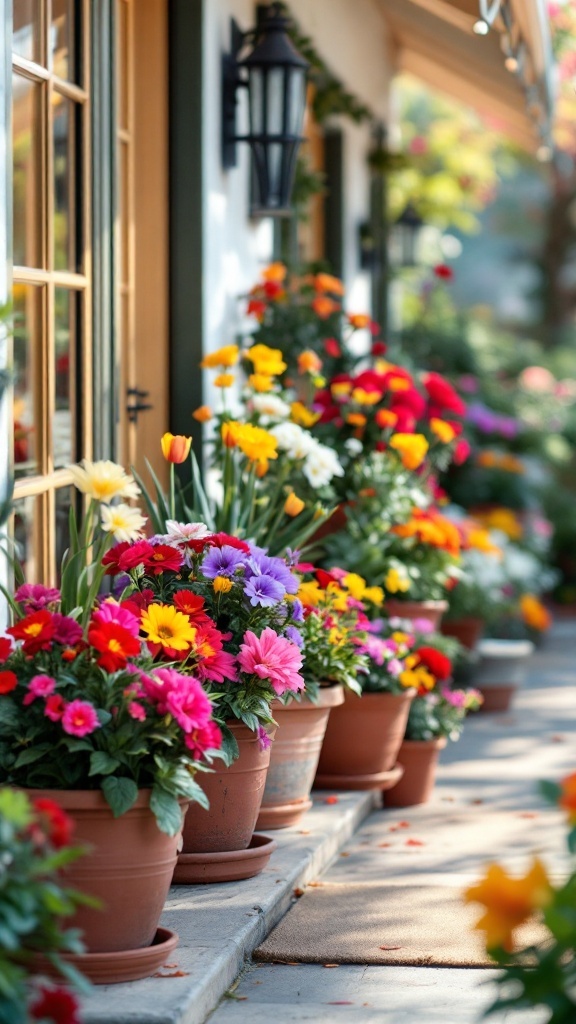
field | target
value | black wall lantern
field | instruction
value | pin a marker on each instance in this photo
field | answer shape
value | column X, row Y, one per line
column 275, row 75
column 404, row 237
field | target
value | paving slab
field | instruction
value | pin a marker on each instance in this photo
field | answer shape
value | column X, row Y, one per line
column 220, row 925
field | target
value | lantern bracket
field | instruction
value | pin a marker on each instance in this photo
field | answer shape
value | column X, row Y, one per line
column 231, row 82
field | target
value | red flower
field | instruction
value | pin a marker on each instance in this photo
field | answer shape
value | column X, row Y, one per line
column 218, row 540
column 379, row 348
column 444, row 272
column 443, row 394
column 36, row 632
column 324, row 578
column 55, row 707
column 5, row 648
column 439, row 665
column 272, row 289
column 115, row 643
column 57, row 1005
column 135, row 554
column 191, row 605
column 112, row 558
column 8, row 681
column 332, row 348
column 56, row 824
column 139, row 601
column 256, row 308
column 163, row 557
column 461, row 452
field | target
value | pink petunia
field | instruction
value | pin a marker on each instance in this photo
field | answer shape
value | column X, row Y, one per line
column 274, row 658
column 39, row 686
column 188, row 703
column 80, row 718
column 110, row 611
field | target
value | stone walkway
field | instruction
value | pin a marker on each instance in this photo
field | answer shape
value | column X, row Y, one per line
column 485, row 807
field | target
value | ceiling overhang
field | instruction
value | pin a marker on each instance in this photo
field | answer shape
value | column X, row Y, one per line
column 504, row 71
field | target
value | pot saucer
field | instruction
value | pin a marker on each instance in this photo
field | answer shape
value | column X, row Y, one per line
column 120, row 965
column 282, row 815
column 381, row 780
column 228, row 866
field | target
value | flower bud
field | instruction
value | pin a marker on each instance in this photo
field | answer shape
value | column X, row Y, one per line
column 175, row 447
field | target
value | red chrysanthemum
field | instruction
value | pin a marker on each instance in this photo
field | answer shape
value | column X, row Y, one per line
column 443, row 394
column 36, row 631
column 112, row 558
column 163, row 557
column 439, row 665
column 218, row 540
column 115, row 644
column 56, row 824
column 8, row 681
column 6, row 648
column 57, row 1005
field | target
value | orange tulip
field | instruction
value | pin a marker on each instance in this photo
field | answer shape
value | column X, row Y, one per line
column 293, row 505
column 175, row 447
column 359, row 320
column 202, row 414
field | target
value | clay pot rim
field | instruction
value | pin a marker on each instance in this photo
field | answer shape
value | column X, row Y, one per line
column 260, row 845
column 379, row 694
column 328, row 697
column 91, row 799
column 496, row 648
column 436, row 743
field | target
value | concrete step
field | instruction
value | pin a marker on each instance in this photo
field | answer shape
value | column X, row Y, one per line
column 220, row 925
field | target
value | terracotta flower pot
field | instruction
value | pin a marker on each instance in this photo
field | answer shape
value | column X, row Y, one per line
column 468, row 630
column 294, row 757
column 501, row 670
column 419, row 759
column 362, row 741
column 431, row 610
column 235, row 794
column 128, row 868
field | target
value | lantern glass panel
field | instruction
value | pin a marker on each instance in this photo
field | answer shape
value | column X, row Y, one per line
column 275, row 101
column 256, row 93
column 297, row 100
column 275, row 151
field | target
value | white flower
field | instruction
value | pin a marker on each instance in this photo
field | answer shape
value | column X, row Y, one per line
column 270, row 407
column 353, row 446
column 321, row 465
column 122, row 521
column 291, row 438
column 103, row 480
column 178, row 532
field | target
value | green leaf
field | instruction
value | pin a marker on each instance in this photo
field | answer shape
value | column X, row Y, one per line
column 550, row 791
column 31, row 754
column 102, row 763
column 167, row 810
column 120, row 794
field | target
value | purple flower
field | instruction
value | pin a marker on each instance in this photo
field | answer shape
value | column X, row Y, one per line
column 264, row 740
column 259, row 563
column 264, row 590
column 297, row 610
column 66, row 630
column 222, row 561
column 295, row 636
column 35, row 596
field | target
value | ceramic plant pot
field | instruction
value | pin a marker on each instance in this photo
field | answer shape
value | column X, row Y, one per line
column 501, row 670
column 227, row 827
column 294, row 757
column 468, row 630
column 411, row 610
column 419, row 758
column 128, row 868
column 362, row 741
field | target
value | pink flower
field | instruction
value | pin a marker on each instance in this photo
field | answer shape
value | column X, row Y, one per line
column 67, row 631
column 80, row 718
column 264, row 740
column 55, row 707
column 39, row 686
column 35, row 596
column 207, row 737
column 186, row 700
column 272, row 657
column 136, row 711
column 110, row 611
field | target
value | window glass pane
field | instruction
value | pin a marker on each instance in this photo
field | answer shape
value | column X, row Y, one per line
column 124, row 213
column 65, row 348
column 26, row 533
column 65, row 497
column 64, row 184
column 123, row 68
column 27, row 186
column 27, row 337
column 62, row 40
column 26, row 29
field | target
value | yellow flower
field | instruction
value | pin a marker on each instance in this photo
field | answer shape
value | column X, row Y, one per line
column 163, row 624
column 341, row 388
column 257, row 444
column 309, row 362
column 534, row 613
column 202, row 414
column 310, row 594
column 398, row 384
column 363, row 397
column 355, row 584
column 479, row 539
column 302, row 416
column 412, row 449
column 230, row 433
column 224, row 380
column 444, row 431
column 400, row 637
column 103, row 481
column 265, row 360
column 396, row 581
column 375, row 595
column 425, row 678
column 221, row 584
column 359, row 320
column 293, row 505
column 260, row 382
column 409, row 679
column 175, row 447
column 226, row 356
column 274, row 272
column 356, row 419
column 505, row 520
column 509, row 902
column 336, row 636
column 122, row 521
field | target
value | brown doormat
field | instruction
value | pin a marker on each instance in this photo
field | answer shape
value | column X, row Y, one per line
column 383, row 924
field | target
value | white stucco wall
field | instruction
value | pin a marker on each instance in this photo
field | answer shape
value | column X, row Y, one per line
column 351, row 37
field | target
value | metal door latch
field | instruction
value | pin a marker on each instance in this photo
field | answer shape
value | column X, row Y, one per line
column 135, row 408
